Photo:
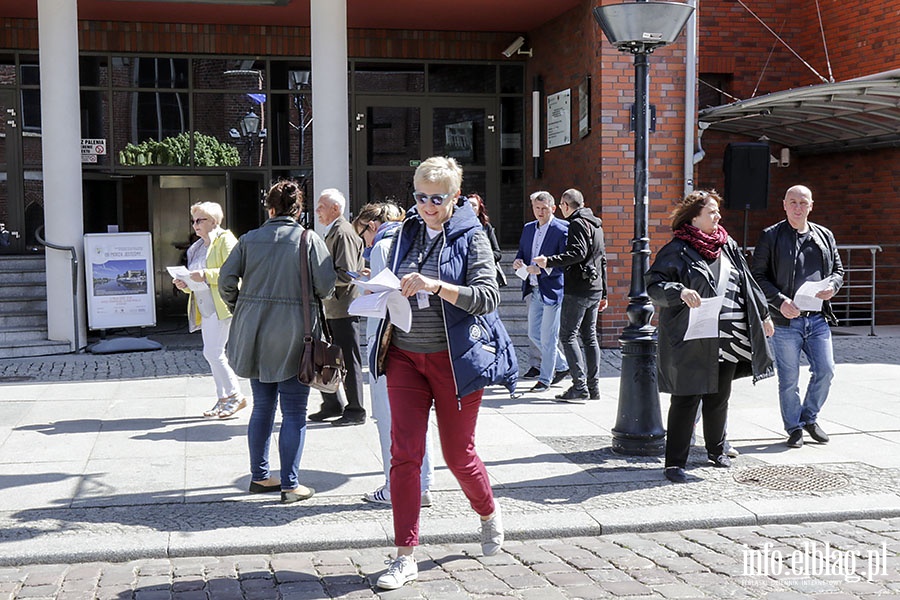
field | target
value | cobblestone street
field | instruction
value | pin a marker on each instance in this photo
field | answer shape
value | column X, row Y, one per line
column 834, row 561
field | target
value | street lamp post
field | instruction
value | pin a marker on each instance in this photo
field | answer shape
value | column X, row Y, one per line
column 250, row 132
column 639, row 28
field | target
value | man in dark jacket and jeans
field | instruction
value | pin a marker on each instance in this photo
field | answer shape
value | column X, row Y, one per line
column 584, row 296
column 789, row 254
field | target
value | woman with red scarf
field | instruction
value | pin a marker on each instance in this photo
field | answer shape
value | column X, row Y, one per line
column 704, row 265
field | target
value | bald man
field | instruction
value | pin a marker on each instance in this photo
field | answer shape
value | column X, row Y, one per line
column 789, row 254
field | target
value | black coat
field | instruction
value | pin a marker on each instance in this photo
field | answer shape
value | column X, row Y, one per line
column 585, row 249
column 687, row 368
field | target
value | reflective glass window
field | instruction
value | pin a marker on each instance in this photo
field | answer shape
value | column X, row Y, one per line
column 229, row 73
column 95, row 124
column 236, row 121
column 462, row 79
column 389, row 78
column 291, row 133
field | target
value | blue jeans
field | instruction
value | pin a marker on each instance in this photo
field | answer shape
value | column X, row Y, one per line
column 812, row 336
column 293, row 396
column 543, row 330
column 579, row 320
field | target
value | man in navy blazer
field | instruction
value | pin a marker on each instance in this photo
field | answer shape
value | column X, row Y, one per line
column 543, row 237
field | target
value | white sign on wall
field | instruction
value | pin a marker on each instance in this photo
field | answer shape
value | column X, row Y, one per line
column 91, row 148
column 119, row 273
column 559, row 118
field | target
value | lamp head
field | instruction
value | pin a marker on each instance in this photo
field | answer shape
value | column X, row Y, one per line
column 249, row 124
column 641, row 27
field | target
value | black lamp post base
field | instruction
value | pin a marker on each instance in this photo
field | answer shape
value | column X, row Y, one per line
column 638, row 430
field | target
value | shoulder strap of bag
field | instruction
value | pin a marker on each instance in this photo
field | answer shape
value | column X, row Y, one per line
column 307, row 294
column 304, row 285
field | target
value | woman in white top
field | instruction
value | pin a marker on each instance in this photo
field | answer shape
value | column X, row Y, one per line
column 206, row 309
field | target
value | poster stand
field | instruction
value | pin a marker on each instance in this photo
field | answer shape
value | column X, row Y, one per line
column 120, row 293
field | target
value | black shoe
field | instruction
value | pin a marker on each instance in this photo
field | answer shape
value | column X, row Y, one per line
column 559, row 376
column 676, row 475
column 795, row 440
column 721, row 461
column 540, row 386
column 573, row 395
column 593, row 393
column 816, row 433
column 322, row 415
column 531, row 373
column 345, row 421
column 259, row 488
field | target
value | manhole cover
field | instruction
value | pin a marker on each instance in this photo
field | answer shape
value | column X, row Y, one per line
column 790, row 478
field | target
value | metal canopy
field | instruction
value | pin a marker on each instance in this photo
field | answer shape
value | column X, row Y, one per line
column 860, row 114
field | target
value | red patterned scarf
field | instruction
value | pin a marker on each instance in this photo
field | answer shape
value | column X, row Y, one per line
column 709, row 245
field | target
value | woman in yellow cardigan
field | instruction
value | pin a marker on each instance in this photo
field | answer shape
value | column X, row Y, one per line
column 206, row 310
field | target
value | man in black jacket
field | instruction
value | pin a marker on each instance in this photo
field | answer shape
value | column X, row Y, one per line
column 789, row 254
column 584, row 296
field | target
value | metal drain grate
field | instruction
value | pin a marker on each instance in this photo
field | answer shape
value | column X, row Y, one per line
column 790, row 478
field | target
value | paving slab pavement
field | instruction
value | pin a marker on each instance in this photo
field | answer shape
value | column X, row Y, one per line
column 105, row 458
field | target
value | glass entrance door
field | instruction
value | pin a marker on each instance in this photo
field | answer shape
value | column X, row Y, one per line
column 393, row 135
column 11, row 198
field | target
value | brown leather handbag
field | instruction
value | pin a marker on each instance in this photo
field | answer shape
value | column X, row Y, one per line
column 321, row 362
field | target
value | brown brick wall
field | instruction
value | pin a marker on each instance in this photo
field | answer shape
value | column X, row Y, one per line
column 602, row 164
column 855, row 196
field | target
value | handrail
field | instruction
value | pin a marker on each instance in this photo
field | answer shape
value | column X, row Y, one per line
column 74, row 261
column 847, row 302
column 872, row 248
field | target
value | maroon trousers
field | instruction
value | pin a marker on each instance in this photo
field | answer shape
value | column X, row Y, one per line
column 414, row 381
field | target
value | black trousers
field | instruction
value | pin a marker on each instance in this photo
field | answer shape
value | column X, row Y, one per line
column 345, row 333
column 682, row 412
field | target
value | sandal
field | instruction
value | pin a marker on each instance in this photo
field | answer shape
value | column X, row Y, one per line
column 232, row 405
column 215, row 410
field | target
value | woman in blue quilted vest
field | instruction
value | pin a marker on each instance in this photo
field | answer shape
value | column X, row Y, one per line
column 454, row 348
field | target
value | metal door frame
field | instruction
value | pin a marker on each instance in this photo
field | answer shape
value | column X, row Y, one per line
column 426, row 105
column 14, row 175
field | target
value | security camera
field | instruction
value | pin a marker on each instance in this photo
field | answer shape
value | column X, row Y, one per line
column 785, row 158
column 516, row 48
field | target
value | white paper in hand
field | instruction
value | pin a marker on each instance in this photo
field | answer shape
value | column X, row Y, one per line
column 384, row 299
column 522, row 272
column 384, row 281
column 805, row 298
column 182, row 274
column 703, row 322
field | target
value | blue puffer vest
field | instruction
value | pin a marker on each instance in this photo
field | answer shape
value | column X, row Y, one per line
column 481, row 352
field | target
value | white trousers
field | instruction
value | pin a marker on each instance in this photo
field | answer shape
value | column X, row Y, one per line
column 215, row 336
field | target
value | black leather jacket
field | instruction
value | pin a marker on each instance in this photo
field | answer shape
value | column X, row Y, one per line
column 773, row 265
column 690, row 367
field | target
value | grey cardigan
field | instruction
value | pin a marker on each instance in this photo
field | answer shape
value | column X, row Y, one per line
column 260, row 283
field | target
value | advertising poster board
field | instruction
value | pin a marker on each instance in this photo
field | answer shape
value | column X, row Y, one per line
column 119, row 280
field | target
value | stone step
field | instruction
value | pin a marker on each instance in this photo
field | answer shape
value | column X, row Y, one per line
column 34, row 348
column 12, row 278
column 17, row 334
column 28, row 290
column 17, row 264
column 14, row 305
column 26, row 318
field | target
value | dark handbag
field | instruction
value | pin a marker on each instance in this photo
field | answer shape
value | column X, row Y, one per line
column 321, row 362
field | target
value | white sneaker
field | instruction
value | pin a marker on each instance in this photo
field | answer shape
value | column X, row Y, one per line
column 492, row 533
column 401, row 570
column 380, row 496
column 383, row 496
column 731, row 451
